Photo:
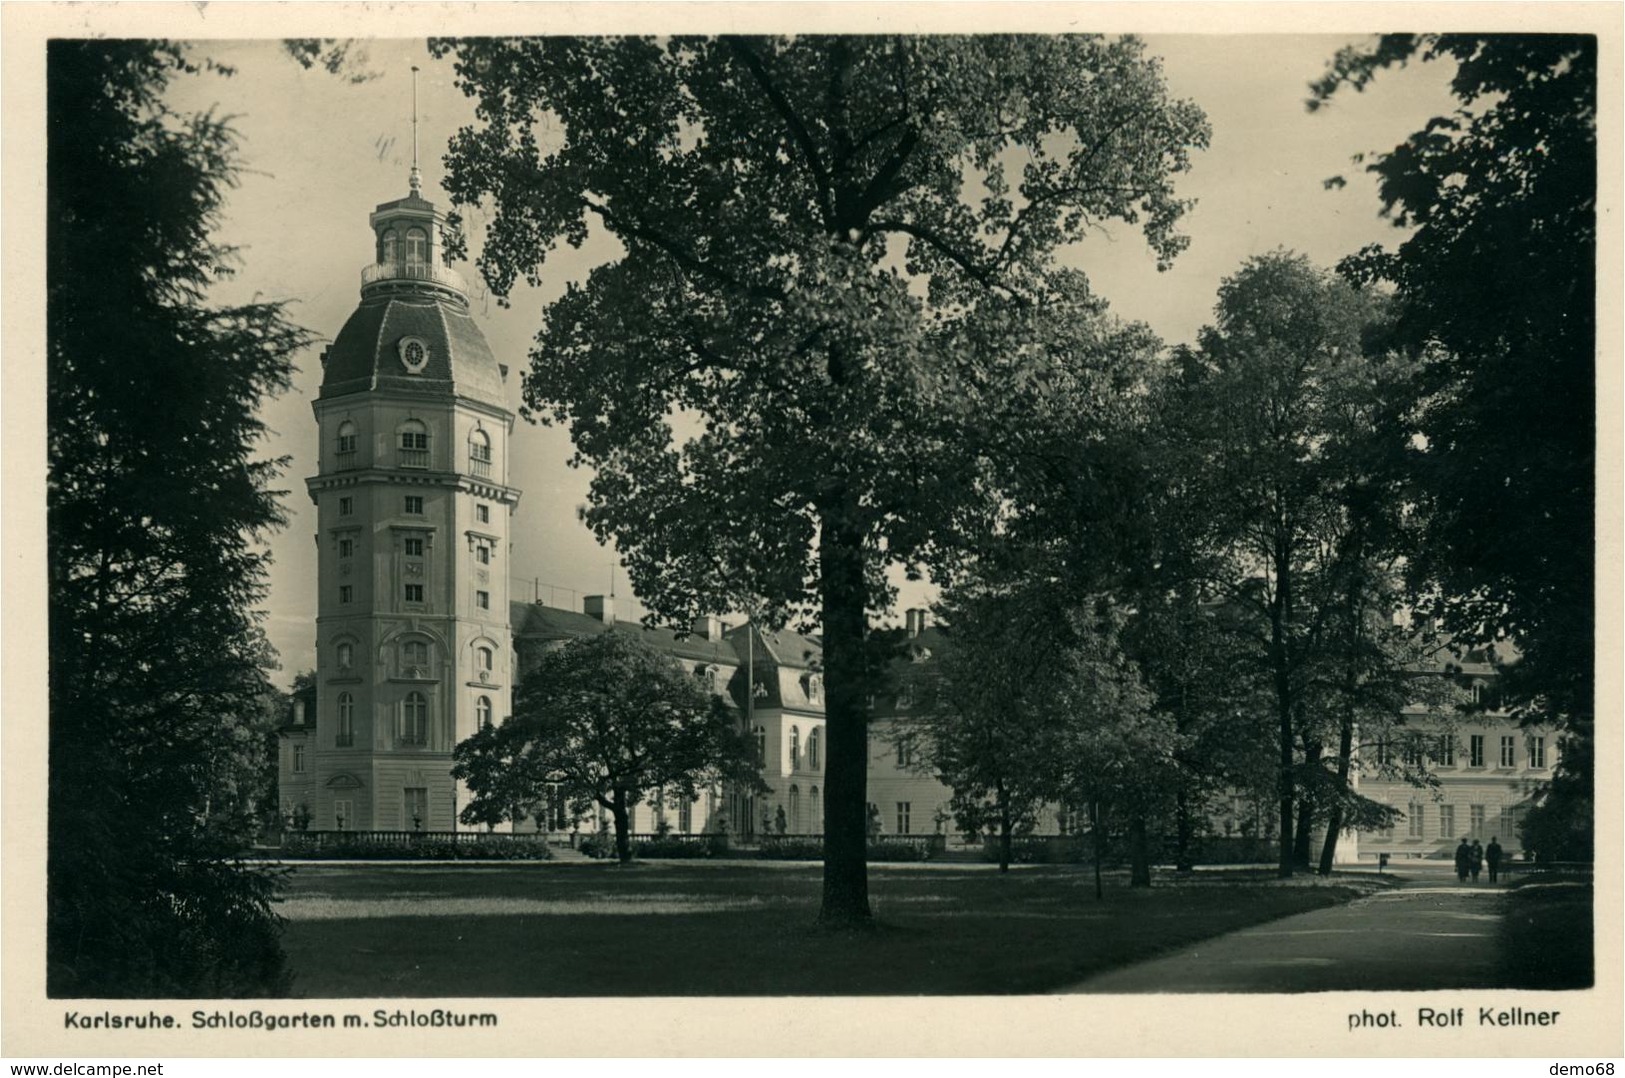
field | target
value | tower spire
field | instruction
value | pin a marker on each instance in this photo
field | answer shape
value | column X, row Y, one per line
column 417, row 177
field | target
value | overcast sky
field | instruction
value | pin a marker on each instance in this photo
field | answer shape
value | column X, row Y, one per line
column 320, row 153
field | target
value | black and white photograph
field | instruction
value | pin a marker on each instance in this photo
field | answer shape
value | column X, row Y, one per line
column 546, row 508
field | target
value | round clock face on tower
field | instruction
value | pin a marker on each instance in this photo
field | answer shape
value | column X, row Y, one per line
column 414, row 354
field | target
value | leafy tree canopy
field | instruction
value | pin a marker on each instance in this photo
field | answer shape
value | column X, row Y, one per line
column 155, row 496
column 605, row 719
column 836, row 250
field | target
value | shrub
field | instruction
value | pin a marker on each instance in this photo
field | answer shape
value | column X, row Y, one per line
column 425, row 849
column 791, row 849
column 598, row 846
column 881, row 850
column 670, row 848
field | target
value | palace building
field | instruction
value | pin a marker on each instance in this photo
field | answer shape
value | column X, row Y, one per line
column 419, row 643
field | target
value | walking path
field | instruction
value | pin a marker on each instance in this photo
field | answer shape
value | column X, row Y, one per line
column 1431, row 932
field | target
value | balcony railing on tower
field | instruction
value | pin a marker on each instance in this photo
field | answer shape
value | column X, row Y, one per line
column 434, row 274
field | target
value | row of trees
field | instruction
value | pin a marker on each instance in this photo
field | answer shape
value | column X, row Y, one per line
column 838, row 340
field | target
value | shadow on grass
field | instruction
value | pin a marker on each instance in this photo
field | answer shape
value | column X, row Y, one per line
column 367, row 931
column 1546, row 935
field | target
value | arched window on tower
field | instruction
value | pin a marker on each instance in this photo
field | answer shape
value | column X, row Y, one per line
column 479, row 453
column 344, row 737
column 386, row 247
column 482, row 711
column 417, row 252
column 345, row 653
column 484, row 660
column 414, row 444
column 415, row 658
column 345, row 457
column 414, row 719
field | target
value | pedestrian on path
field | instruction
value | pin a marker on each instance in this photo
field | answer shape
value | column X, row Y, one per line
column 1464, row 860
column 1478, row 859
column 1492, row 856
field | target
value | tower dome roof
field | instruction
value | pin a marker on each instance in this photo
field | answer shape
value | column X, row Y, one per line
column 372, row 351
column 412, row 332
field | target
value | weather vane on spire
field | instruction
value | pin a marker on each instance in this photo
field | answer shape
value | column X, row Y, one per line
column 417, row 177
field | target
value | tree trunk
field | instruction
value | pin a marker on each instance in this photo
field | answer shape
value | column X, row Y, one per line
column 1184, row 833
column 1100, row 846
column 1004, row 833
column 1139, row 852
column 1303, row 840
column 1280, row 613
column 1345, row 760
column 840, row 559
column 623, row 827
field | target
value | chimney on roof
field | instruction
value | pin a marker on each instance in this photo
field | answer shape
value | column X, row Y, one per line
column 916, row 620
column 601, row 607
column 707, row 627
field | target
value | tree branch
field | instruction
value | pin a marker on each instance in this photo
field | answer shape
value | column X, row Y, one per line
column 798, row 129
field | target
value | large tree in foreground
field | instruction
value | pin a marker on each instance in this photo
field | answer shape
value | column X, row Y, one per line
column 1496, row 287
column 154, row 498
column 835, row 249
column 605, row 721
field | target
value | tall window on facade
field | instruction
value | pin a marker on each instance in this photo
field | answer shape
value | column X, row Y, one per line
column 346, row 506
column 795, row 810
column 1385, row 755
column 484, row 659
column 412, row 547
column 413, row 506
column 1414, row 817
column 904, row 809
column 298, row 759
column 1509, row 751
column 417, row 250
column 482, row 554
column 346, row 593
column 1447, row 821
column 346, row 445
column 414, row 444
column 346, row 655
column 482, row 599
column 1475, row 815
column 1537, row 752
column 344, row 736
column 812, row 749
column 346, row 548
column 1445, row 754
column 905, row 752
column 415, row 656
column 414, row 719
column 482, row 513
column 1475, row 750
column 815, row 812
column 685, row 814
column 414, row 593
column 343, row 815
column 761, row 746
column 482, row 711
column 795, row 748
column 479, row 453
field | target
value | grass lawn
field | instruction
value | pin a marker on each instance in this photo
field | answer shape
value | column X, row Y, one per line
column 1546, row 935
column 681, row 929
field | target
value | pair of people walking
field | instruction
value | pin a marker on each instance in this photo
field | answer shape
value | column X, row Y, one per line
column 1470, row 860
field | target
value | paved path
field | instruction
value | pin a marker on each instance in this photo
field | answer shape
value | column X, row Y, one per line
column 1429, row 933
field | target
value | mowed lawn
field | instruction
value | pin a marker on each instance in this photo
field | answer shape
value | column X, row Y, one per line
column 683, row 929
